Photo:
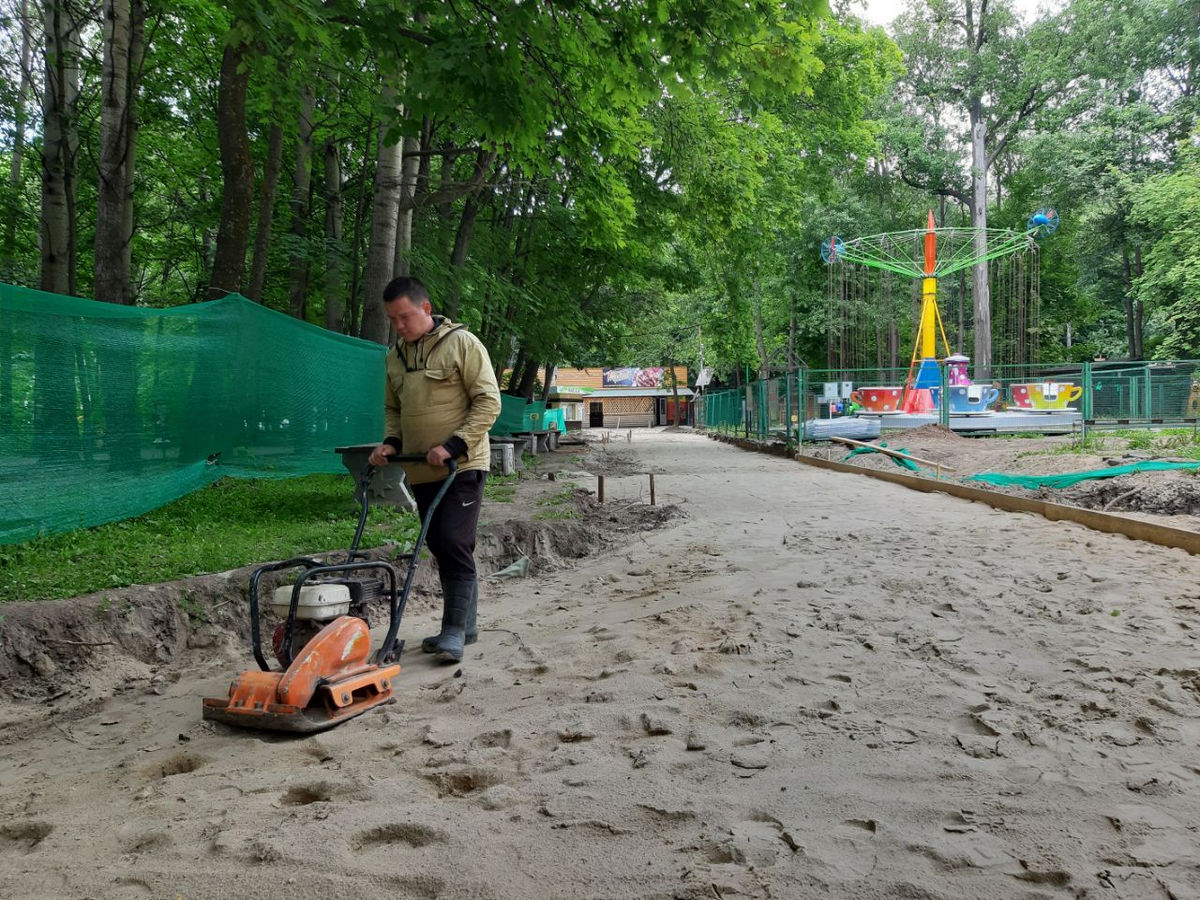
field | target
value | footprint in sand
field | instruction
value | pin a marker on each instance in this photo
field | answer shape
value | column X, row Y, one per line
column 179, row 764
column 304, row 794
column 407, row 833
column 463, row 781
column 756, row 842
column 849, row 850
column 428, row 887
column 24, row 835
column 134, row 839
column 502, row 739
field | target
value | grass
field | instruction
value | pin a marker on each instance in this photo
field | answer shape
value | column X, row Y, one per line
column 557, row 506
column 501, row 488
column 229, row 524
column 1180, row 442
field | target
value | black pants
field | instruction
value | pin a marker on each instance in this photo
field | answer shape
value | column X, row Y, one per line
column 451, row 537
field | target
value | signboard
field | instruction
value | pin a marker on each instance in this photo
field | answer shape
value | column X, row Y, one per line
column 633, row 377
column 829, row 391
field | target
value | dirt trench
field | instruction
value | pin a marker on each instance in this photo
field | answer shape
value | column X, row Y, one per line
column 61, row 659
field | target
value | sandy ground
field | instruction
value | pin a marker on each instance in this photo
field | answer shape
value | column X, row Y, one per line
column 809, row 684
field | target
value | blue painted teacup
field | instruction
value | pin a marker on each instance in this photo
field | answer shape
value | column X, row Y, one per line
column 968, row 398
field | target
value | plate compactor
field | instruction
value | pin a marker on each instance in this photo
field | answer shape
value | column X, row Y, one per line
column 327, row 673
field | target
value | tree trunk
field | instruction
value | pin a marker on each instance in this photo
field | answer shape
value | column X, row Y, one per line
column 517, row 373
column 117, row 378
column 1138, row 306
column 301, row 187
column 137, row 53
column 8, row 264
column 335, row 255
column 466, row 231
column 983, row 307
column 381, row 252
column 354, row 319
column 60, row 143
column 791, row 339
column 266, row 212
column 1127, row 299
column 525, row 388
column 237, row 171
column 114, row 215
column 55, row 422
column 550, row 370
column 402, row 263
column 9, row 261
column 759, row 340
column 458, row 256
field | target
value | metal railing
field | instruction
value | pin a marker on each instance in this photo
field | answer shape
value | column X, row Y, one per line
column 1112, row 395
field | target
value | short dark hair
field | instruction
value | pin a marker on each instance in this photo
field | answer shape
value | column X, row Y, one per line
column 406, row 286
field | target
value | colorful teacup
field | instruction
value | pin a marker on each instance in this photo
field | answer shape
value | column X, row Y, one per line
column 1021, row 396
column 878, row 399
column 973, row 398
column 1051, row 395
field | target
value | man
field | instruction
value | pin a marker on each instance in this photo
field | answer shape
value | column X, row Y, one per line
column 440, row 399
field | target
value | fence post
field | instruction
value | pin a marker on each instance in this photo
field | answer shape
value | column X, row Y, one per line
column 802, row 405
column 1087, row 406
column 763, row 414
column 1149, row 400
column 787, row 410
column 944, row 394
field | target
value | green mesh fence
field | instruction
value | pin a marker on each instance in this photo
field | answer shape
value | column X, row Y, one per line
column 512, row 416
column 108, row 411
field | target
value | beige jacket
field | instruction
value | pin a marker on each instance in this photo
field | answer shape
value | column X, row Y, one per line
column 439, row 387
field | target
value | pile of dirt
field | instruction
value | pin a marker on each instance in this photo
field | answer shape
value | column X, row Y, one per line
column 553, row 543
column 1163, row 493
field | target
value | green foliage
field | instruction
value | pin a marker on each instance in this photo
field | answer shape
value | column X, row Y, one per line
column 1168, row 207
column 230, row 524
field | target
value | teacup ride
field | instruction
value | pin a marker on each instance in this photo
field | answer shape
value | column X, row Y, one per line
column 879, row 400
column 968, row 399
column 1045, row 396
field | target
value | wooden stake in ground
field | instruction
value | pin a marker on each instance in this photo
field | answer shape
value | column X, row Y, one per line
column 600, row 488
column 652, row 489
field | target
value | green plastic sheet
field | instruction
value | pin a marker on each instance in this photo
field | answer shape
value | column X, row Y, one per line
column 1033, row 482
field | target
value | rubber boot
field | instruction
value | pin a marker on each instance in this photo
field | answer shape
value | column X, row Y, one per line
column 456, row 610
column 429, row 644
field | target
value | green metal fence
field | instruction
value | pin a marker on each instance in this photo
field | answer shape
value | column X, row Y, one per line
column 1110, row 395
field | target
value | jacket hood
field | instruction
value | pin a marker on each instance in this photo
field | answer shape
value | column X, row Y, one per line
column 416, row 354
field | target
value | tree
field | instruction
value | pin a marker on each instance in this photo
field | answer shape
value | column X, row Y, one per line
column 124, row 22
column 60, row 143
column 1168, row 207
column 976, row 59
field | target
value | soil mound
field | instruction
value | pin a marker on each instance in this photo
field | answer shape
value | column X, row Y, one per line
column 1164, row 494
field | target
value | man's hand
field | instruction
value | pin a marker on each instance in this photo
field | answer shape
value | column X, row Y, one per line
column 437, row 456
column 379, row 456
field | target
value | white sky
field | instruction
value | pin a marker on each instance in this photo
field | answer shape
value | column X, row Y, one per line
column 881, row 12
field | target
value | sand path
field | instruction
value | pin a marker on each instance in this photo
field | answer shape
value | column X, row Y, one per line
column 812, row 685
